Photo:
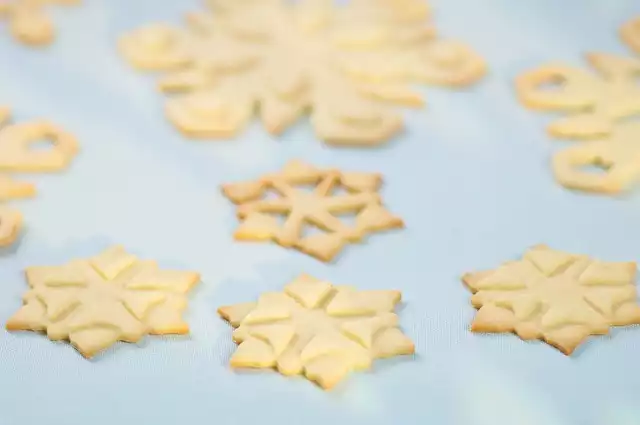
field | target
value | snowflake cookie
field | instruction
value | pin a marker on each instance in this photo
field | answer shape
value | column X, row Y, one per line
column 17, row 154
column 111, row 297
column 10, row 224
column 319, row 207
column 630, row 33
column 554, row 296
column 618, row 156
column 28, row 21
column 317, row 329
column 595, row 102
column 346, row 64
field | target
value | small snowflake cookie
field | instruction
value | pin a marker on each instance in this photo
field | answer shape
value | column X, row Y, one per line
column 345, row 65
column 111, row 297
column 319, row 207
column 28, row 20
column 630, row 33
column 554, row 296
column 10, row 224
column 316, row 329
column 595, row 102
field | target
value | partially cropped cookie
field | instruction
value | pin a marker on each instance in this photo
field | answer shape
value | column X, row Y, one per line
column 316, row 329
column 319, row 207
column 554, row 296
column 95, row 302
column 630, row 33
column 18, row 154
column 10, row 225
column 29, row 21
column 594, row 103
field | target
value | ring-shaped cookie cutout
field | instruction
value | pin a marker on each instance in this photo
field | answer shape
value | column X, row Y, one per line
column 630, row 33
column 448, row 63
column 556, row 87
column 156, row 47
column 10, row 225
column 18, row 151
column 618, row 159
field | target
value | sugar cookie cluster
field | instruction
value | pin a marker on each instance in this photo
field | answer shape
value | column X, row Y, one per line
column 17, row 155
column 347, row 66
column 28, row 20
column 602, row 110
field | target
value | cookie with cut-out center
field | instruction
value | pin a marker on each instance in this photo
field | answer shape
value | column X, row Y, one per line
column 111, row 297
column 317, row 329
column 554, row 296
column 18, row 154
column 594, row 102
column 319, row 207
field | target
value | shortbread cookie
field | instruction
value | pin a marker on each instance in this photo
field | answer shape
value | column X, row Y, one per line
column 5, row 115
column 554, row 296
column 10, row 225
column 29, row 22
column 317, row 329
column 630, row 33
column 595, row 102
column 17, row 155
column 346, row 64
column 319, row 207
column 618, row 156
column 13, row 189
column 111, row 297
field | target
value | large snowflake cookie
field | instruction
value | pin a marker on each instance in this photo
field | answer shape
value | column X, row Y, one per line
column 316, row 329
column 319, row 207
column 630, row 33
column 111, row 297
column 28, row 20
column 346, row 64
column 554, row 296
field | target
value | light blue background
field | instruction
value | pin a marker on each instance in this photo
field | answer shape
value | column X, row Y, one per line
column 470, row 177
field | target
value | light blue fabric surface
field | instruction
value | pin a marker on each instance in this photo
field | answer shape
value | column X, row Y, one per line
column 470, row 177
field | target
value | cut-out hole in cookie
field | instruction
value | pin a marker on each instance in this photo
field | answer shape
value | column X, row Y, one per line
column 41, row 144
column 555, row 83
column 595, row 167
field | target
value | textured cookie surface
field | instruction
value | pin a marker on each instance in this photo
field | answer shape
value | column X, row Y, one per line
column 348, row 64
column 320, row 208
column 317, row 329
column 96, row 302
column 596, row 102
column 554, row 296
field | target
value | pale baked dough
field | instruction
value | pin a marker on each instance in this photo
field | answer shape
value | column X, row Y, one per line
column 317, row 329
column 319, row 207
column 10, row 225
column 618, row 156
column 111, row 297
column 346, row 64
column 14, row 189
column 29, row 22
column 555, row 296
column 595, row 102
column 630, row 33
column 16, row 153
